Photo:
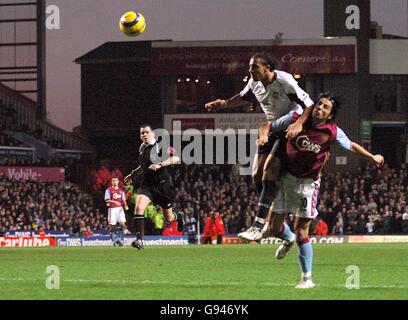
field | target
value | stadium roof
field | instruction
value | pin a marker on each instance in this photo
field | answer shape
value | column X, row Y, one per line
column 123, row 51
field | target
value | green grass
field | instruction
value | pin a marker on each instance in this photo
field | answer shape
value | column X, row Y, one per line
column 203, row 272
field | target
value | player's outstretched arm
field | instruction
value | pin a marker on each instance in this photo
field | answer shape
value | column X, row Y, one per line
column 295, row 128
column 169, row 162
column 128, row 178
column 378, row 159
column 301, row 97
column 219, row 104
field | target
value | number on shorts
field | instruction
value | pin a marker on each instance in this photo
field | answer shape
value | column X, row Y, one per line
column 303, row 203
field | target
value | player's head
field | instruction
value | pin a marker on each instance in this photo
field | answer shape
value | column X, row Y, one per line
column 146, row 133
column 326, row 107
column 260, row 64
column 115, row 181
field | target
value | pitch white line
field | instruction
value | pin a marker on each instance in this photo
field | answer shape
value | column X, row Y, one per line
column 197, row 284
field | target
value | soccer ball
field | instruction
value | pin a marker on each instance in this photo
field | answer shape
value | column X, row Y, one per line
column 132, row 23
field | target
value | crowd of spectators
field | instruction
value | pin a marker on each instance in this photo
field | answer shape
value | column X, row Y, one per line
column 373, row 201
column 8, row 122
column 7, row 119
column 8, row 141
column 31, row 206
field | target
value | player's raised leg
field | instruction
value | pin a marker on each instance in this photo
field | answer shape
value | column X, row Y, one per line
column 284, row 203
column 280, row 229
column 171, row 215
column 257, row 170
column 270, row 181
column 305, row 255
column 141, row 204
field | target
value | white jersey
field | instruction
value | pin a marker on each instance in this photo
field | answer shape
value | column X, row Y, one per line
column 279, row 97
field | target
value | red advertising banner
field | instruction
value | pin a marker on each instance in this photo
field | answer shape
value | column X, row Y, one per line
column 24, row 242
column 313, row 59
column 34, row 173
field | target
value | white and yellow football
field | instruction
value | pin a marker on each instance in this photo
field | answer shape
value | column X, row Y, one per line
column 132, row 23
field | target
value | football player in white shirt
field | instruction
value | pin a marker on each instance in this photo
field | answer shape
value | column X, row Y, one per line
column 279, row 95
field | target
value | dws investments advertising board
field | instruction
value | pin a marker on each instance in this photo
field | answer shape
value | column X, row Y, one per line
column 101, row 241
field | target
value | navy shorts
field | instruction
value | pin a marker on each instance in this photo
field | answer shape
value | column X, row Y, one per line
column 274, row 140
column 161, row 194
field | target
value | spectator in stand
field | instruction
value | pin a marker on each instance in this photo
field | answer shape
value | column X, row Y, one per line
column 405, row 221
column 209, row 229
column 171, row 230
column 361, row 224
column 370, row 225
column 219, row 227
column 88, row 232
column 321, row 227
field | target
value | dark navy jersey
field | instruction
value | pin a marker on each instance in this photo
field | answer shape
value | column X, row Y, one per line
column 151, row 154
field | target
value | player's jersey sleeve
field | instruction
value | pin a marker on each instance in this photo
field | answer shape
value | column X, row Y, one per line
column 123, row 197
column 294, row 92
column 247, row 93
column 282, row 123
column 107, row 195
column 342, row 139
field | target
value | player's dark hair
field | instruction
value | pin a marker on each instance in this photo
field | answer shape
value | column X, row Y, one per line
column 115, row 177
column 145, row 125
column 334, row 100
column 267, row 59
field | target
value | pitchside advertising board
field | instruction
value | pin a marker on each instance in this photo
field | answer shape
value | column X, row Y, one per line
column 328, row 239
column 27, row 242
column 106, row 241
column 101, row 241
column 52, row 233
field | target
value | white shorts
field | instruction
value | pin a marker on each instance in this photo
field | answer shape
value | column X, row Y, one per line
column 298, row 196
column 116, row 215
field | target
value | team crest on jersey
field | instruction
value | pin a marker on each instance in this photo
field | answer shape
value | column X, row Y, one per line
column 303, row 143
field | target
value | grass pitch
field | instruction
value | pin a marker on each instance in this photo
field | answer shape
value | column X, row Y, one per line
column 203, row 272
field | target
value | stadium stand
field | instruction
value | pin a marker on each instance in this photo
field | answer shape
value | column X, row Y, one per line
column 27, row 205
column 347, row 204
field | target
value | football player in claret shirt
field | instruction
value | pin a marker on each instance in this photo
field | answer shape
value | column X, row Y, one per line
column 115, row 200
column 155, row 186
column 278, row 93
column 303, row 160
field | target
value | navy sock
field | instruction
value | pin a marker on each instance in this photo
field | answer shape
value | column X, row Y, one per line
column 139, row 226
column 269, row 191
